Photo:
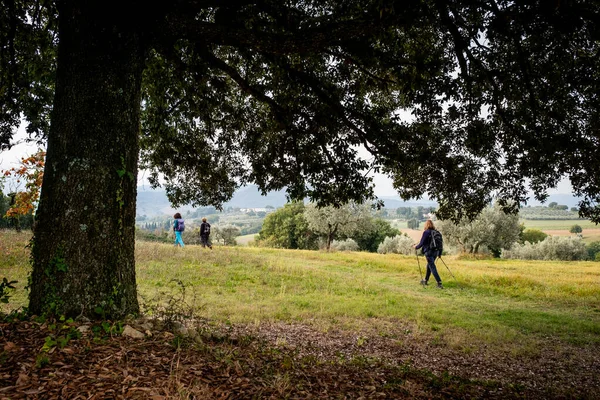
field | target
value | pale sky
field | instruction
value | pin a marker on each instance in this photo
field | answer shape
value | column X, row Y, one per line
column 383, row 184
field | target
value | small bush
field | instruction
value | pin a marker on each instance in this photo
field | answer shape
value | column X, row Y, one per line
column 552, row 248
column 593, row 250
column 399, row 244
column 533, row 236
column 576, row 229
column 156, row 236
column 344, row 245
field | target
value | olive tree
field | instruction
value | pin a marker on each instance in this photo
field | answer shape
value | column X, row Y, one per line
column 492, row 228
column 333, row 222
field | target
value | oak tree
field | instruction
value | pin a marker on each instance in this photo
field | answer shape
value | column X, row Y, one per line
column 210, row 95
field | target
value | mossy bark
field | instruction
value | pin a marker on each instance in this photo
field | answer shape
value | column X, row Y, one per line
column 83, row 248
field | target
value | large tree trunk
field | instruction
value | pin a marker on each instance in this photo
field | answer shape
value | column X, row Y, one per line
column 83, row 252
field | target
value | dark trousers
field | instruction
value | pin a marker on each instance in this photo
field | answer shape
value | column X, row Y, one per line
column 431, row 268
column 204, row 241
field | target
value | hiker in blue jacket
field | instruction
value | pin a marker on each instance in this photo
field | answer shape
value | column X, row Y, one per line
column 178, row 227
column 430, row 254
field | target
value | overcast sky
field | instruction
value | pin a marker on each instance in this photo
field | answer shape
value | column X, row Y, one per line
column 383, row 184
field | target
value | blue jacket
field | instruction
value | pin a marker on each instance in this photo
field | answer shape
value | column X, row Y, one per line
column 425, row 240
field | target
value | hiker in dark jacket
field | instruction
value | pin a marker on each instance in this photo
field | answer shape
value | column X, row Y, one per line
column 430, row 254
column 205, row 233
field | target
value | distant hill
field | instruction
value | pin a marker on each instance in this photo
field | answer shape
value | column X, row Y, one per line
column 396, row 201
column 154, row 202
column 250, row 197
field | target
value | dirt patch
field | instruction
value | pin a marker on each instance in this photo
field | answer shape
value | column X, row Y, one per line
column 565, row 232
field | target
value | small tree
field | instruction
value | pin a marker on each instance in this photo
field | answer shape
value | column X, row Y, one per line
column 287, row 228
column 576, row 229
column 227, row 234
column 552, row 204
column 24, row 202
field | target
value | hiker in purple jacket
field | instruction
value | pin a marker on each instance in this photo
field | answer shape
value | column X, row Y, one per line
column 178, row 227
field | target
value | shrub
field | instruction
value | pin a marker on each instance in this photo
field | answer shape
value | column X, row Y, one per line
column 552, row 248
column 156, row 236
column 532, row 236
column 399, row 244
column 593, row 250
column 344, row 245
column 576, row 229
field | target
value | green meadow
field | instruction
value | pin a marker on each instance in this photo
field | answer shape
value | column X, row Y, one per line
column 506, row 304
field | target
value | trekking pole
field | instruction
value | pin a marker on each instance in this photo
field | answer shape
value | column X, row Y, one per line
column 440, row 257
column 419, row 264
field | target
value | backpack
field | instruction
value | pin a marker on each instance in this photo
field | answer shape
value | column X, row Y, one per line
column 437, row 241
column 180, row 225
column 207, row 228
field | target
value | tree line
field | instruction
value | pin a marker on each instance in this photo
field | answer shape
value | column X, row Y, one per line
column 357, row 227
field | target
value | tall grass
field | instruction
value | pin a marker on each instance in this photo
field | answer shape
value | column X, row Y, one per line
column 513, row 303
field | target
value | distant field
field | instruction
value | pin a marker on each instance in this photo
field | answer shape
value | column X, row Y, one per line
column 244, row 240
column 415, row 234
column 558, row 224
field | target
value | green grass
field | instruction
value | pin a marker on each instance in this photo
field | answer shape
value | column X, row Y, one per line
column 510, row 304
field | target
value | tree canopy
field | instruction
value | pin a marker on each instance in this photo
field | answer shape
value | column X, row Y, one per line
column 463, row 101
column 281, row 94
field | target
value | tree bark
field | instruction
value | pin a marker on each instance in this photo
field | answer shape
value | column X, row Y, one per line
column 83, row 247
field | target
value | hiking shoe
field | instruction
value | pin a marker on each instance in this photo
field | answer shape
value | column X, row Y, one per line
column 439, row 285
column 424, row 282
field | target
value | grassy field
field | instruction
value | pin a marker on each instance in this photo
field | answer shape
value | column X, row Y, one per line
column 509, row 304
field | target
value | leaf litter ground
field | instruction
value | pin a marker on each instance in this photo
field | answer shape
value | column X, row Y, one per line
column 278, row 360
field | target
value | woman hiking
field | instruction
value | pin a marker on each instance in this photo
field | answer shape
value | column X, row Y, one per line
column 430, row 254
